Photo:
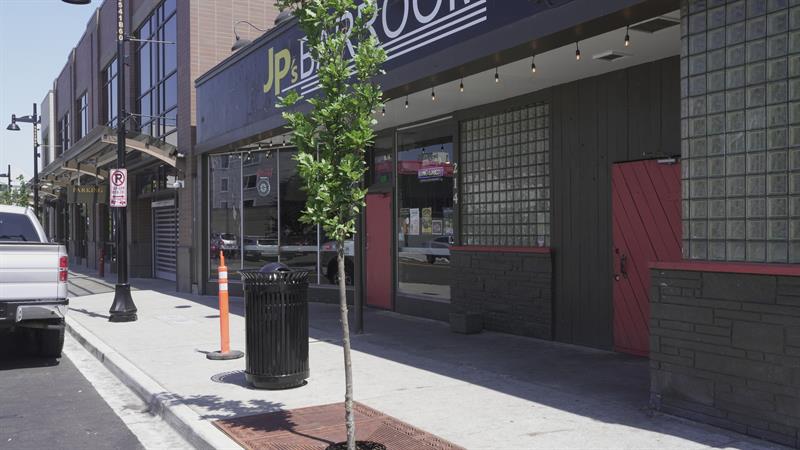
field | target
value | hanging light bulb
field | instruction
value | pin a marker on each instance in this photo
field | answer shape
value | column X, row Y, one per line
column 433, row 95
column 577, row 52
column 383, row 111
column 496, row 75
column 533, row 64
column 406, row 102
column 627, row 36
column 461, row 85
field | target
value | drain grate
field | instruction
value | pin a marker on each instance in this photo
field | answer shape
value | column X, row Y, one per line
column 316, row 427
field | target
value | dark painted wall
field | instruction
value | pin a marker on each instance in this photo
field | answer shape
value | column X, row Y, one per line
column 620, row 116
column 725, row 349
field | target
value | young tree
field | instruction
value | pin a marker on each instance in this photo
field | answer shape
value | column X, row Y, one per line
column 332, row 137
column 16, row 195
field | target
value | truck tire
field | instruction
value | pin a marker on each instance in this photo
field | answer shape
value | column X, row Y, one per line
column 51, row 342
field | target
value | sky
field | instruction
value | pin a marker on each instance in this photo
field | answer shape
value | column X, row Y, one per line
column 36, row 37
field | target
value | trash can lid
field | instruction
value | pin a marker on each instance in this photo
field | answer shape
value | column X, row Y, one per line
column 275, row 267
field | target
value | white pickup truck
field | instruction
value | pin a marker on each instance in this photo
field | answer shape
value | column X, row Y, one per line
column 33, row 280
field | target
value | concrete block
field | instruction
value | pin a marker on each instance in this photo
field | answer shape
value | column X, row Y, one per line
column 748, row 288
column 682, row 313
column 758, row 336
column 466, row 323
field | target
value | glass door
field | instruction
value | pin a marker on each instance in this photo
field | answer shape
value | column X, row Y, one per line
column 425, row 210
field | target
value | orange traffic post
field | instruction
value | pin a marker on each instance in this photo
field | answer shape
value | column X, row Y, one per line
column 225, row 351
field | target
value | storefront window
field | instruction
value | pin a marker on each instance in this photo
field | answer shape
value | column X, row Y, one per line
column 425, row 187
column 225, row 211
column 260, row 207
column 298, row 239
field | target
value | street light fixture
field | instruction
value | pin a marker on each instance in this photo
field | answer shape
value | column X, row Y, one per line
column 122, row 309
column 242, row 42
column 35, row 120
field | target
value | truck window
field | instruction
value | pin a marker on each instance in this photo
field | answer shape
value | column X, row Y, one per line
column 17, row 228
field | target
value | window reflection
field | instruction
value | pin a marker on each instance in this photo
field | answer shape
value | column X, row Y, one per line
column 260, row 207
column 298, row 240
column 225, row 214
column 425, row 183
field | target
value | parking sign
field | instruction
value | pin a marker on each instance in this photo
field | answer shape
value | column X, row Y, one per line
column 119, row 188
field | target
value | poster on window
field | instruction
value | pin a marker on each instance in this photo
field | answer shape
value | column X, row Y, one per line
column 436, row 225
column 413, row 221
column 405, row 221
column 427, row 218
column 447, row 221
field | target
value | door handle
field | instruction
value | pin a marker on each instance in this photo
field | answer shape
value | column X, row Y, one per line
column 623, row 265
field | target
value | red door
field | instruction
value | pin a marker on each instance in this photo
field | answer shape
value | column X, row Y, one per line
column 646, row 198
column 378, row 257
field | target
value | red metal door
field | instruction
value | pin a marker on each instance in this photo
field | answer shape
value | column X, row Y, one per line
column 646, row 198
column 378, row 251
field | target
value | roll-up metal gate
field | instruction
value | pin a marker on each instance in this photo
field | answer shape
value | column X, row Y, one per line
column 165, row 238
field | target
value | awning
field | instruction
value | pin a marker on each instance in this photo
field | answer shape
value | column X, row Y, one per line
column 98, row 149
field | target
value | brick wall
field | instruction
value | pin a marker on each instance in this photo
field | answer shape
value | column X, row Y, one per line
column 512, row 291
column 725, row 349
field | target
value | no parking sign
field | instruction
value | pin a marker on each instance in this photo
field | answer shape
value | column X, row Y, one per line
column 119, row 188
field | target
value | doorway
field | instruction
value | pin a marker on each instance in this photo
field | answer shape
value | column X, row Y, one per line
column 646, row 199
column 378, row 250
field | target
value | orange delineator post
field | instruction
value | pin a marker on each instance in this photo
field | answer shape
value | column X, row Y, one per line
column 224, row 325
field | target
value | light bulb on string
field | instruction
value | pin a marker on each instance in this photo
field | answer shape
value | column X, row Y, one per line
column 533, row 64
column 496, row 75
column 461, row 85
column 383, row 111
column 627, row 36
column 433, row 95
column 577, row 52
column 406, row 102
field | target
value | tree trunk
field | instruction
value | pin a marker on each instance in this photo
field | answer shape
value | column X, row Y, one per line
column 348, row 364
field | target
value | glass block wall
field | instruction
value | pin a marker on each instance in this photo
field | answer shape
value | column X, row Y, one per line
column 506, row 178
column 740, row 125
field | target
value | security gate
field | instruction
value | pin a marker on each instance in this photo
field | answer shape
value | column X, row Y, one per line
column 165, row 238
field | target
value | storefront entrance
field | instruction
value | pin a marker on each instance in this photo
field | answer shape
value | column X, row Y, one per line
column 647, row 228
column 165, row 238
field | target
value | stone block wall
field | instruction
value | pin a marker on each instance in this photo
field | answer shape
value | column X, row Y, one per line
column 725, row 350
column 513, row 291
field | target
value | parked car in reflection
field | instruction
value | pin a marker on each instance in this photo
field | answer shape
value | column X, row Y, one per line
column 329, row 264
column 260, row 248
column 438, row 248
column 227, row 242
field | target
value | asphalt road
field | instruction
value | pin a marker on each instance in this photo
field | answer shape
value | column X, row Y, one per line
column 49, row 404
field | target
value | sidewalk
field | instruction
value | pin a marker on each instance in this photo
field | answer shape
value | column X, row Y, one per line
column 486, row 391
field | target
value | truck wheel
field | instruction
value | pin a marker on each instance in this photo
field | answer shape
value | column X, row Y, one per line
column 51, row 342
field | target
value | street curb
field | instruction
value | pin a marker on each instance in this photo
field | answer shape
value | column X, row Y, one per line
column 199, row 433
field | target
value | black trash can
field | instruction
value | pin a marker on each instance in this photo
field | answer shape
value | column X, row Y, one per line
column 276, row 318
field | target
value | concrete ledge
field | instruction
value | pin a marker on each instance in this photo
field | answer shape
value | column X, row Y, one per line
column 198, row 432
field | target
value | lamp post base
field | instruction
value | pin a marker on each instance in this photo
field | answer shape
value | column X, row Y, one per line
column 123, row 309
column 220, row 356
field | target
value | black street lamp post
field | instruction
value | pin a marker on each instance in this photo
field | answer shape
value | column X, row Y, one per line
column 122, row 309
column 35, row 120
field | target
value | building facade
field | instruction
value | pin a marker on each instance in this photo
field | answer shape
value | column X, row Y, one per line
column 173, row 42
column 619, row 174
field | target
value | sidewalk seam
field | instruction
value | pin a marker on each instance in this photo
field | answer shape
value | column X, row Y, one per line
column 162, row 403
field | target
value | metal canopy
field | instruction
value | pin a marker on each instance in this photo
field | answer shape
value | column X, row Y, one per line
column 98, row 149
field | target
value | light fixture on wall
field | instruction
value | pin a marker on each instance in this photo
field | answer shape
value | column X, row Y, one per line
column 496, row 75
column 577, row 52
column 461, row 86
column 533, row 63
column 627, row 36
column 406, row 102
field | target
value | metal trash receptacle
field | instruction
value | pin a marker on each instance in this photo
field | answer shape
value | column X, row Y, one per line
column 276, row 327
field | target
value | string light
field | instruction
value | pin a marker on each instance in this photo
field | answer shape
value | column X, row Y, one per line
column 461, row 86
column 496, row 75
column 406, row 102
column 433, row 95
column 533, row 64
column 577, row 52
column 627, row 36
column 383, row 111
